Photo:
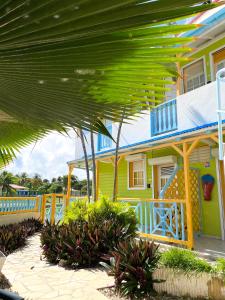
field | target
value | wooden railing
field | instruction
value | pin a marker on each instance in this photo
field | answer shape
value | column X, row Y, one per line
column 161, row 219
column 164, row 118
column 15, row 205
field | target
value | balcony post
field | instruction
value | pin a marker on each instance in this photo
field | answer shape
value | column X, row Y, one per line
column 188, row 196
column 71, row 167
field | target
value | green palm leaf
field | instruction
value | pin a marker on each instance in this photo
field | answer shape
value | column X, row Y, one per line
column 66, row 64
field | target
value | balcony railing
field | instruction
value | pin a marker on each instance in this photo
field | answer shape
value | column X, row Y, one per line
column 164, row 118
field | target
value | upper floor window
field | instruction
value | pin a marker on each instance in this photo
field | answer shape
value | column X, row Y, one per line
column 136, row 174
column 193, row 76
column 105, row 142
column 219, row 60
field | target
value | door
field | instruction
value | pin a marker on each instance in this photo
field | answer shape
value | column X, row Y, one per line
column 164, row 173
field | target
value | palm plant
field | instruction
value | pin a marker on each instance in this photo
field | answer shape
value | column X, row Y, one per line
column 6, row 179
column 66, row 64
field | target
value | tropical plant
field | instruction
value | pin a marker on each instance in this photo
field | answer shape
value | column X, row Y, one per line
column 70, row 65
column 14, row 236
column 121, row 214
column 6, row 179
column 80, row 243
column 185, row 260
column 132, row 264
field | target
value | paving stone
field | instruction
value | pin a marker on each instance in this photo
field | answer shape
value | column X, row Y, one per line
column 36, row 279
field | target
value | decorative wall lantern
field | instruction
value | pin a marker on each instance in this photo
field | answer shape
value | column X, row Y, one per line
column 207, row 185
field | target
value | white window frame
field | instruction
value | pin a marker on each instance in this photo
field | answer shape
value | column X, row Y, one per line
column 213, row 77
column 159, row 174
column 145, row 175
column 189, row 64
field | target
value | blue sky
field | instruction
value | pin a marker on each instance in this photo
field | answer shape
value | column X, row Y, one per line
column 47, row 157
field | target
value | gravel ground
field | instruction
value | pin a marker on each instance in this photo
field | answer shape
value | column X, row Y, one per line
column 111, row 294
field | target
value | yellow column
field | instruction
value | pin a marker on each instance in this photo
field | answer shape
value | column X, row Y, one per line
column 43, row 207
column 37, row 203
column 69, row 185
column 97, row 180
column 188, row 197
column 53, row 205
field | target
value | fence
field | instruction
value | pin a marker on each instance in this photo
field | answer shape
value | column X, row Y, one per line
column 161, row 219
column 15, row 205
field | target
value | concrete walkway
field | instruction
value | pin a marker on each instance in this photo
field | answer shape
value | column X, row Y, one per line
column 35, row 279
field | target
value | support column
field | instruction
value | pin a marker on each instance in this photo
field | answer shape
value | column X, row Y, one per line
column 97, row 180
column 43, row 208
column 69, row 185
column 222, row 183
column 53, row 208
column 188, row 196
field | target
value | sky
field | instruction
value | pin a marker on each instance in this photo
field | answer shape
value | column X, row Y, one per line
column 47, row 157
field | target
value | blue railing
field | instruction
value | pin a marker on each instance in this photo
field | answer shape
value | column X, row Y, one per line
column 18, row 205
column 164, row 118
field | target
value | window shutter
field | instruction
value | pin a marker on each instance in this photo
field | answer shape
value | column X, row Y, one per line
column 131, row 174
column 166, row 171
column 194, row 76
column 201, row 154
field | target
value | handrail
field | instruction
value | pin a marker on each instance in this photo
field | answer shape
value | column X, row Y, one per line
column 19, row 198
column 162, row 193
column 153, row 200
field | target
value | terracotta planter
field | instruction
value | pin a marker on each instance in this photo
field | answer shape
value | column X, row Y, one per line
column 202, row 285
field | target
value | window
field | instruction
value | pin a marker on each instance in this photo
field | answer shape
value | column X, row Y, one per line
column 165, row 172
column 194, row 76
column 137, row 174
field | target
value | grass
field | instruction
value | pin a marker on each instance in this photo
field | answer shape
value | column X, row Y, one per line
column 185, row 260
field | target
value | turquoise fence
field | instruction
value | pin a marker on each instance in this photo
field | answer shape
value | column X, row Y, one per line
column 15, row 205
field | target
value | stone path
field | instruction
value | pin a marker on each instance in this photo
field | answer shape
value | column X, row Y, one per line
column 35, row 279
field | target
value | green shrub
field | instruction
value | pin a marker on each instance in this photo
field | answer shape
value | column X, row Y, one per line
column 132, row 265
column 14, row 236
column 220, row 266
column 79, row 243
column 184, row 260
column 101, row 211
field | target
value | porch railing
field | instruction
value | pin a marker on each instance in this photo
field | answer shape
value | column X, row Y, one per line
column 15, row 205
column 164, row 118
column 161, row 219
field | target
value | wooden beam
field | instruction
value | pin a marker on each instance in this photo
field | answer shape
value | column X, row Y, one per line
column 215, row 139
column 177, row 149
column 188, row 197
column 193, row 146
column 222, row 182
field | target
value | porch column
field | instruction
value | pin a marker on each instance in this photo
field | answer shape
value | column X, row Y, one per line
column 188, row 196
column 97, row 180
column 222, row 182
column 71, row 167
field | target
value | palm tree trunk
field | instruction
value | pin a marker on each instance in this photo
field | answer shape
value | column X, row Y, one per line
column 86, row 163
column 94, row 187
column 116, row 159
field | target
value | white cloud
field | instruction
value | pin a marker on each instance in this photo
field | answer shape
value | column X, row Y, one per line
column 47, row 157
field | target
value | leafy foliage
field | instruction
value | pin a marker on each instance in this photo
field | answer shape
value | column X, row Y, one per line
column 132, row 265
column 220, row 266
column 79, row 243
column 184, row 260
column 101, row 211
column 70, row 65
column 14, row 236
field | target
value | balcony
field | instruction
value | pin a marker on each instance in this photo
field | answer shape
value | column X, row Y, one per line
column 164, row 118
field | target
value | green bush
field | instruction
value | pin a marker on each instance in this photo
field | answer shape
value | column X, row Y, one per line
column 14, row 236
column 184, row 260
column 100, row 211
column 79, row 243
column 220, row 266
column 132, row 265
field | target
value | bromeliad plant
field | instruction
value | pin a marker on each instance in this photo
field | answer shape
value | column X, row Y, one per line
column 79, row 243
column 14, row 236
column 132, row 264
